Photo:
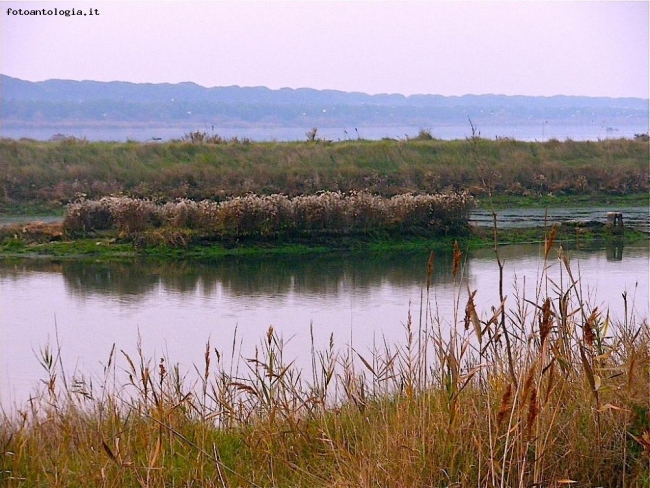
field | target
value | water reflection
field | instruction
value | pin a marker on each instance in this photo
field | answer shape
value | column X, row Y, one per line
column 131, row 281
column 331, row 276
column 176, row 307
column 614, row 251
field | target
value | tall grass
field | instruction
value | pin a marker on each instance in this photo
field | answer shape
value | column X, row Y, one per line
column 451, row 405
column 273, row 215
column 53, row 173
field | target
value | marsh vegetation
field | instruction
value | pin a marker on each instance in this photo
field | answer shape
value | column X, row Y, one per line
column 49, row 175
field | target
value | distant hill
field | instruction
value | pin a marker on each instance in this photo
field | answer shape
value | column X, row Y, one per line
column 55, row 102
column 15, row 89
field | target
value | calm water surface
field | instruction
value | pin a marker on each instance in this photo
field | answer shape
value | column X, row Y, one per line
column 176, row 308
column 532, row 131
column 635, row 217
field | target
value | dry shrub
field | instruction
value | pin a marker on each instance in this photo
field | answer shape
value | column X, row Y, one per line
column 253, row 215
column 127, row 215
column 33, row 232
column 134, row 215
column 319, row 212
column 182, row 213
column 249, row 214
column 88, row 215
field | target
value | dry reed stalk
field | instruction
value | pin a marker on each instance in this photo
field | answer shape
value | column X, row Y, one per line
column 471, row 317
column 430, row 269
column 457, row 256
column 548, row 241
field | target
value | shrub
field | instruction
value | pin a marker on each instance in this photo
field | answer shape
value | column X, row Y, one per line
column 423, row 135
column 253, row 215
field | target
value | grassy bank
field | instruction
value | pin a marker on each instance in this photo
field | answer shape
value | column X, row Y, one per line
column 502, row 201
column 542, row 391
column 120, row 227
column 49, row 241
column 47, row 175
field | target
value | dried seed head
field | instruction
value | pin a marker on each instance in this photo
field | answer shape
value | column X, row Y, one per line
column 533, row 410
column 161, row 366
column 528, row 383
column 457, row 257
column 506, row 404
column 545, row 321
column 471, row 317
column 549, row 240
column 269, row 334
column 588, row 329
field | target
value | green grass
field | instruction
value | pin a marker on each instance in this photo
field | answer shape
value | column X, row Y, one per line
column 567, row 201
column 535, row 396
column 110, row 246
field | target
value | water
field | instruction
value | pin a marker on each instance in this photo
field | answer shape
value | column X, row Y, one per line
column 176, row 308
column 517, row 218
column 524, row 132
column 23, row 219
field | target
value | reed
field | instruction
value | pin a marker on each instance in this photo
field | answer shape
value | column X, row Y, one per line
column 451, row 405
column 333, row 213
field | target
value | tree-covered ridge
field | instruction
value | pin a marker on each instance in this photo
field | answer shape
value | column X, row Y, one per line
column 93, row 101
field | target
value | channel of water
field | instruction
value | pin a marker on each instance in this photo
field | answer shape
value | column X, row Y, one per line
column 361, row 300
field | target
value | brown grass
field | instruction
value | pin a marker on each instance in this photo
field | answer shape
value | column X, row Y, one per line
column 275, row 215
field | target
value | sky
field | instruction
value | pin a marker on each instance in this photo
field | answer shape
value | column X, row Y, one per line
column 543, row 48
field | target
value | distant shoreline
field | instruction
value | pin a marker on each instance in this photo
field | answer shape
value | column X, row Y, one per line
column 152, row 132
column 261, row 114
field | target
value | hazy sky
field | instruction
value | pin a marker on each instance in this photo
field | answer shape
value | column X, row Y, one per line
column 427, row 47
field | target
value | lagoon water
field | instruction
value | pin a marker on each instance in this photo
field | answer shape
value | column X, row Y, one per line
column 531, row 131
column 637, row 218
column 359, row 299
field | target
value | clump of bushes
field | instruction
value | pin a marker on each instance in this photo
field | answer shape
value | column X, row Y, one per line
column 423, row 135
column 254, row 215
column 198, row 137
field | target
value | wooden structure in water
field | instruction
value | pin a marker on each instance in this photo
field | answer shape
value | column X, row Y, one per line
column 615, row 222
